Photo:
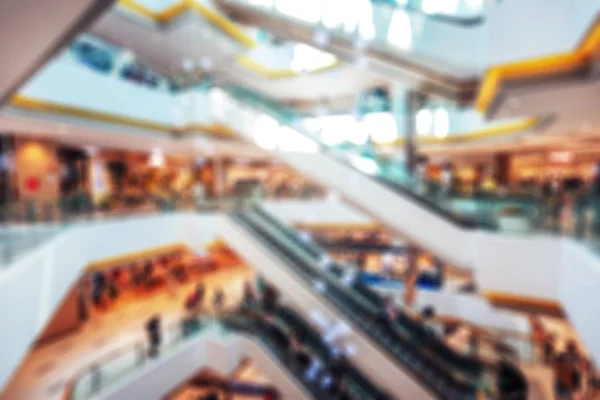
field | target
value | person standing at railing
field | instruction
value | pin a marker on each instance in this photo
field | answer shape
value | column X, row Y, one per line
column 591, row 202
column 554, row 194
column 420, row 177
column 153, row 330
column 446, row 181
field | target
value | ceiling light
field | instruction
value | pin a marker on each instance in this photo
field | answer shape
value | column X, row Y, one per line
column 91, row 150
column 157, row 158
column 321, row 37
column 360, row 44
column 206, row 63
column 187, row 65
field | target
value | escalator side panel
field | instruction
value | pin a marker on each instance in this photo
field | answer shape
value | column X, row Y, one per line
column 209, row 350
column 34, row 31
column 370, row 360
column 437, row 235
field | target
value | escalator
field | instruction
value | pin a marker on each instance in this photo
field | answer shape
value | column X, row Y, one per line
column 37, row 31
column 236, row 336
column 411, row 352
column 315, row 362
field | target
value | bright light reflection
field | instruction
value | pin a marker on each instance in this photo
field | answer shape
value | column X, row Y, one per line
column 366, row 165
column 447, row 7
column 441, row 122
column 292, row 140
column 265, row 132
column 261, row 3
column 381, row 126
column 307, row 58
column 424, row 121
column 400, row 30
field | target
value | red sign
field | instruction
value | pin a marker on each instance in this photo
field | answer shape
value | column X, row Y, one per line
column 32, row 183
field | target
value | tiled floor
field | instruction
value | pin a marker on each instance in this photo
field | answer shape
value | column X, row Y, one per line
column 47, row 369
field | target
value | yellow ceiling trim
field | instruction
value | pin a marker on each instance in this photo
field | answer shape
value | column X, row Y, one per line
column 520, row 301
column 486, row 133
column 125, row 259
column 223, row 131
column 216, row 18
column 539, row 66
column 43, row 106
column 223, row 23
column 269, row 73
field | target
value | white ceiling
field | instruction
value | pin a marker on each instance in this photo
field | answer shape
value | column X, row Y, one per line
column 189, row 36
column 575, row 104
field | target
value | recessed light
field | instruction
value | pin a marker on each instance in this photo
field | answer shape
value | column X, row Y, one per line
column 187, row 65
column 206, row 63
column 321, row 37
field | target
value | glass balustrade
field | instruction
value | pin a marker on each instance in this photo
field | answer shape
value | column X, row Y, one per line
column 448, row 373
column 574, row 213
column 276, row 333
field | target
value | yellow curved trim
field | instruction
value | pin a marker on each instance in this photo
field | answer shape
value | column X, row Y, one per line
column 520, row 301
column 223, row 131
column 209, row 14
column 223, row 23
column 128, row 258
column 539, row 66
column 37, row 105
column 267, row 72
column 486, row 133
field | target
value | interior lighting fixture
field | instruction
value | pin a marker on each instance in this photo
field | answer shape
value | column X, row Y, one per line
column 187, row 65
column 321, row 38
column 157, row 158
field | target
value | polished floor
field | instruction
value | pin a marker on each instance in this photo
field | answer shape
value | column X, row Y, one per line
column 47, row 369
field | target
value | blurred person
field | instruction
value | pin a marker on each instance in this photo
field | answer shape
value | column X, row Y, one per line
column 548, row 348
column 553, row 192
column 248, row 297
column 153, row 331
column 218, row 300
column 511, row 383
column 420, row 177
column 195, row 300
column 387, row 264
column 447, row 180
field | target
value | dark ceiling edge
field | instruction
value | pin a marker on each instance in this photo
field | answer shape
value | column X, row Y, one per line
column 93, row 12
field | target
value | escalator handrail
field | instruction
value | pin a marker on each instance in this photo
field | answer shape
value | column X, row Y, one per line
column 457, row 220
column 317, row 252
column 308, row 271
column 406, row 322
column 293, row 321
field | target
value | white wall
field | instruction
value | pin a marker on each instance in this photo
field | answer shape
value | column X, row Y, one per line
column 213, row 349
column 472, row 308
